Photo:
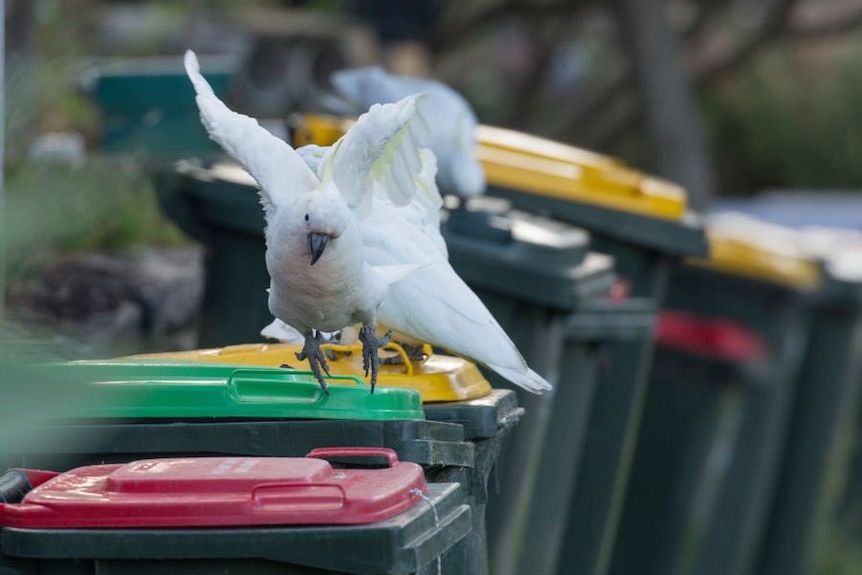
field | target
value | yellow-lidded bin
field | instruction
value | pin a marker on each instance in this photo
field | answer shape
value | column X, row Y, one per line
column 645, row 223
column 317, row 129
column 742, row 246
column 725, row 393
column 538, row 166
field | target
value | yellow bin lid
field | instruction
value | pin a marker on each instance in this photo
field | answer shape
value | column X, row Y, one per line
column 744, row 246
column 435, row 377
column 540, row 166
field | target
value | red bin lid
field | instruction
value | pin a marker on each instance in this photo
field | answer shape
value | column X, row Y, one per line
column 717, row 338
column 221, row 491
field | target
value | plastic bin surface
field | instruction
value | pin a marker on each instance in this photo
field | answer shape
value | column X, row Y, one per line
column 188, row 390
column 436, row 377
column 222, row 491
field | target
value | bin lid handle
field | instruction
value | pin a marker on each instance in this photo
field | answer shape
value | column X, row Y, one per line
column 326, row 452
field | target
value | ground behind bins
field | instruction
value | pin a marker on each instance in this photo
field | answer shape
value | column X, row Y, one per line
column 102, row 304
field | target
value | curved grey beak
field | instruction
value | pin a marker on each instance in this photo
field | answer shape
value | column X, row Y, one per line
column 316, row 244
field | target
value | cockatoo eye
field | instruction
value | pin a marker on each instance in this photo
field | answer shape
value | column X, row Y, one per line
column 306, row 217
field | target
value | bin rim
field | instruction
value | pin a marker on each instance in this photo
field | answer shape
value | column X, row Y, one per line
column 744, row 246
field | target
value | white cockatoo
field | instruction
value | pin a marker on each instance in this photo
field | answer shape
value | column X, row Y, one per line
column 453, row 137
column 358, row 241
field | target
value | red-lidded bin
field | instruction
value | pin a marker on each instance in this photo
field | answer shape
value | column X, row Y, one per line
column 692, row 447
column 233, row 515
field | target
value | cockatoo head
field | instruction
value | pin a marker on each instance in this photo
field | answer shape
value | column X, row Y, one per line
column 323, row 218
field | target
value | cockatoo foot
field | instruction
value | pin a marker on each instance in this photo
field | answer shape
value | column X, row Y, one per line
column 316, row 357
column 370, row 348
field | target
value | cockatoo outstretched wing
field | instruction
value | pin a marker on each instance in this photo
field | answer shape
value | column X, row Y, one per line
column 277, row 168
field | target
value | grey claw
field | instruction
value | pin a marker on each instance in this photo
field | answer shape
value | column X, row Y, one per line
column 370, row 351
column 316, row 358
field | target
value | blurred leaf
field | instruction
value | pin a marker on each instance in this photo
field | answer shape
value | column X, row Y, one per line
column 107, row 204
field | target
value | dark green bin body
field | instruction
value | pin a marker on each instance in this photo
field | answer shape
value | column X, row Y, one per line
column 644, row 250
column 820, row 439
column 532, row 290
column 487, row 422
column 711, row 440
column 227, row 218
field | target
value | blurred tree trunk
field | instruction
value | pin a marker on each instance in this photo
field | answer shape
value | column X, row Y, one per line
column 672, row 123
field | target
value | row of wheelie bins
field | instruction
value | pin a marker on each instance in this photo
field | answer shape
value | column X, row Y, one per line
column 705, row 385
column 576, row 283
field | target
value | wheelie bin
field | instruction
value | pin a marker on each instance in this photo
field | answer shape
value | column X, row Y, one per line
column 818, row 446
column 453, row 393
column 232, row 515
column 644, row 223
column 713, row 439
column 148, row 104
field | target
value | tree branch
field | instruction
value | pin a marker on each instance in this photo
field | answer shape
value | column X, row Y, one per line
column 813, row 27
column 452, row 32
column 529, row 91
column 772, row 24
column 594, row 103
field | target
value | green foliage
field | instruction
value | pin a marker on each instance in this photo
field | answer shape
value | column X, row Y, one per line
column 790, row 119
column 842, row 556
column 107, row 204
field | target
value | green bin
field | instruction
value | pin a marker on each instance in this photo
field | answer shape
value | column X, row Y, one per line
column 148, row 104
column 644, row 224
column 137, row 409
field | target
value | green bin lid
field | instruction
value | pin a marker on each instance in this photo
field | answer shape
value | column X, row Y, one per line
column 535, row 259
column 190, row 390
column 131, row 84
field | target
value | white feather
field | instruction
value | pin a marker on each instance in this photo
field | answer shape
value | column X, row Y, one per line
column 277, row 168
